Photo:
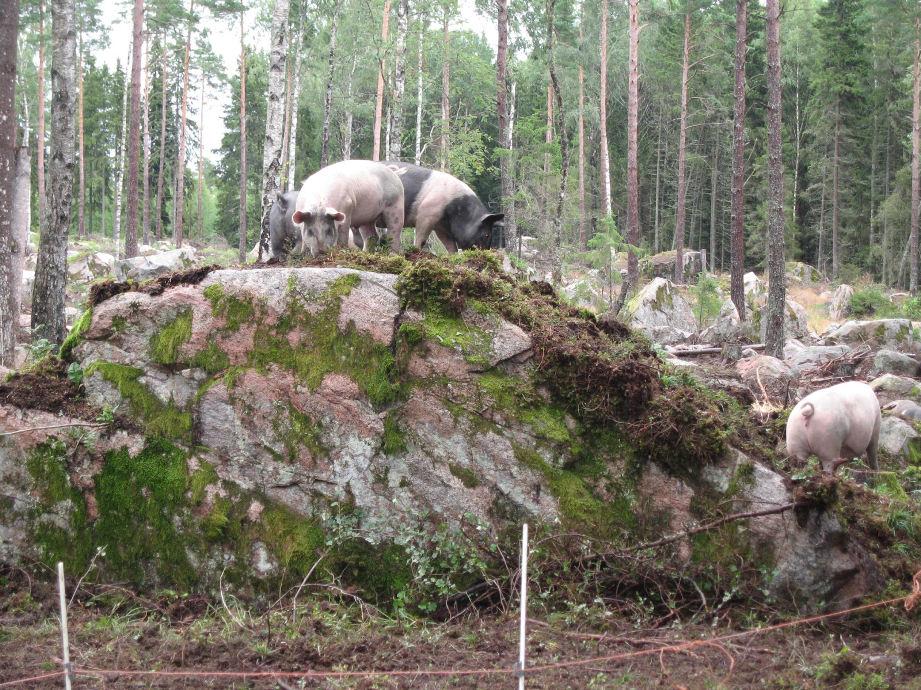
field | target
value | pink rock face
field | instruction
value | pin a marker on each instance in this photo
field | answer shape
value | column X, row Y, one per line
column 835, row 424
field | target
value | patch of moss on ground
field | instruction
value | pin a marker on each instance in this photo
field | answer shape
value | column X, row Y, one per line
column 74, row 338
column 166, row 421
column 466, row 476
column 200, row 480
column 165, row 342
column 325, row 348
column 232, row 309
column 393, row 441
column 453, row 332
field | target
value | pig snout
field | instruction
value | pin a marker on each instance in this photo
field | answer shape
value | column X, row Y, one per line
column 319, row 230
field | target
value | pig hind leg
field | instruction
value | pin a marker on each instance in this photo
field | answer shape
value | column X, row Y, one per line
column 393, row 219
column 368, row 237
column 446, row 239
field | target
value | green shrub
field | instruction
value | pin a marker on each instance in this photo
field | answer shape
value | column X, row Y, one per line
column 871, row 301
column 707, row 299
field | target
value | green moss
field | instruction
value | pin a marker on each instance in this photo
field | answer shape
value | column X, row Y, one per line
column 200, row 480
column 452, row 331
column 67, row 542
column 299, row 431
column 76, row 334
column 578, row 505
column 394, row 439
column 381, row 571
column 138, row 499
column 215, row 524
column 166, row 421
column 467, row 476
column 325, row 348
column 212, row 359
column 119, row 323
column 232, row 309
column 295, row 541
column 165, row 343
column 518, row 399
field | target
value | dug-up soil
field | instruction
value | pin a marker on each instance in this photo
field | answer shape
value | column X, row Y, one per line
column 111, row 628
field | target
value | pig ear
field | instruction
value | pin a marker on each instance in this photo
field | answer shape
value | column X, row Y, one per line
column 300, row 216
column 337, row 216
column 491, row 218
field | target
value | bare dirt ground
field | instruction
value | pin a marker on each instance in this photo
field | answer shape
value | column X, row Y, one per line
column 111, row 628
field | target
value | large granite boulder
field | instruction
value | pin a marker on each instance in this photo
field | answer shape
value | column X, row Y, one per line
column 807, row 359
column 840, row 301
column 767, row 377
column 662, row 265
column 893, row 362
column 896, row 334
column 269, row 416
column 659, row 311
column 150, row 266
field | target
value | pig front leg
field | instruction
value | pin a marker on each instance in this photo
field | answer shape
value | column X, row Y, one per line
column 446, row 239
column 368, row 236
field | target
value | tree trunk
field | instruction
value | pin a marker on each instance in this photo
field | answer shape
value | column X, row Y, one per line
column 511, row 228
column 295, row 101
column 51, row 268
column 286, row 128
column 633, row 180
column 423, row 27
column 9, row 316
column 40, row 125
column 395, row 149
column 271, row 152
column 682, row 154
column 915, row 158
column 774, row 334
column 120, row 171
column 714, row 176
column 328, row 98
column 603, row 111
column 886, row 276
column 835, row 205
column 445, row 90
column 179, row 200
column 134, row 133
column 583, row 235
column 161, row 170
column 81, row 153
column 379, row 101
column 655, row 226
column 201, row 159
column 347, row 133
column 737, row 190
column 241, row 244
column 21, row 219
column 564, row 143
column 145, row 217
column 821, row 248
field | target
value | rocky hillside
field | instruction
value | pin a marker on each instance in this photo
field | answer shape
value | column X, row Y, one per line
column 251, row 426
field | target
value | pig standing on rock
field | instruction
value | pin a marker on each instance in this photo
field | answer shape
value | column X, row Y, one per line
column 348, row 194
column 438, row 201
column 835, row 424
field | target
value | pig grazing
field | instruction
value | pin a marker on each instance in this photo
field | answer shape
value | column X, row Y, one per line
column 348, row 194
column 438, row 201
column 835, row 424
column 284, row 235
column 908, row 410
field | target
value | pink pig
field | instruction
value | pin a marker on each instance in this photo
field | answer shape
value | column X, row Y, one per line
column 835, row 424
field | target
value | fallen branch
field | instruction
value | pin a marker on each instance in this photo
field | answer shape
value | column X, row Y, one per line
column 93, row 425
column 690, row 352
column 704, row 528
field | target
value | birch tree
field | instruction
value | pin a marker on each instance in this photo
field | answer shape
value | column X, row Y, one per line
column 161, row 171
column 40, row 124
column 241, row 244
column 9, row 33
column 134, row 132
column 420, row 83
column 275, row 115
column 399, row 82
column 120, row 171
column 330, row 81
column 179, row 200
column 603, row 111
column 51, row 267
column 295, row 106
column 633, row 180
column 915, row 157
column 505, row 181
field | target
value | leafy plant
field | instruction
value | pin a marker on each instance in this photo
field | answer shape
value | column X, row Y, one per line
column 75, row 373
column 870, row 301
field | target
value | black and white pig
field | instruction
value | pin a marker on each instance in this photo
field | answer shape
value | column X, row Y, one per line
column 284, row 234
column 354, row 193
column 435, row 200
